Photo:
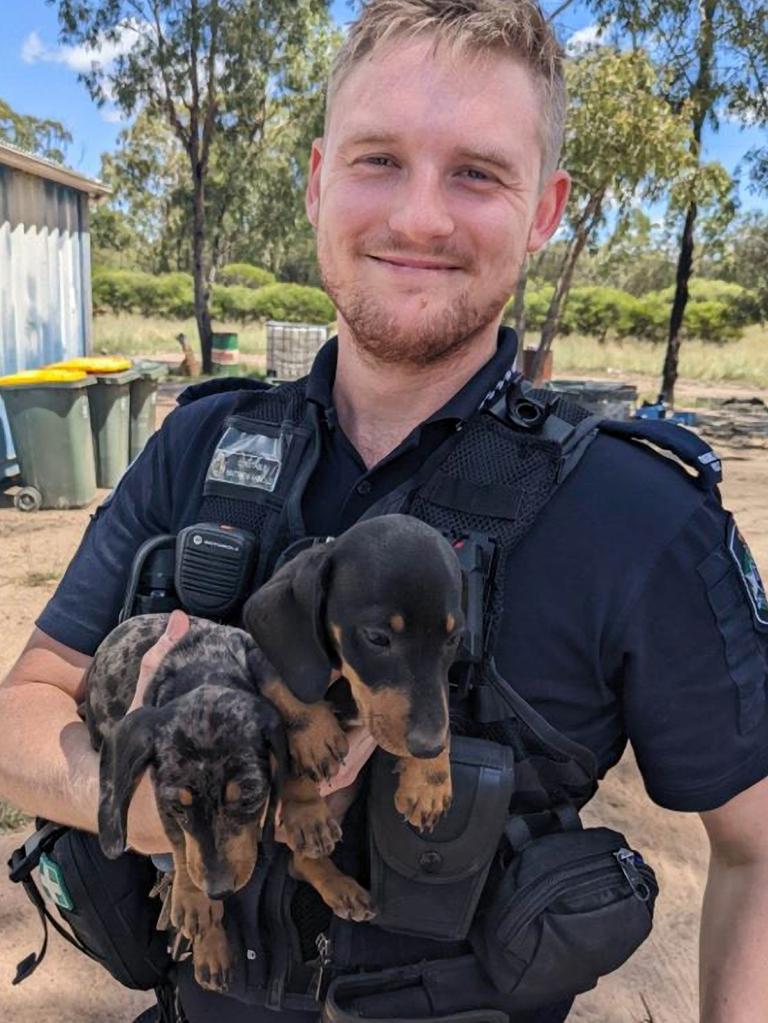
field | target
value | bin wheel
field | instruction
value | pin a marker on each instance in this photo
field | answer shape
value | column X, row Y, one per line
column 28, row 499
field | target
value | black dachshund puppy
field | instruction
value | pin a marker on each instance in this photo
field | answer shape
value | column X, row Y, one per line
column 382, row 605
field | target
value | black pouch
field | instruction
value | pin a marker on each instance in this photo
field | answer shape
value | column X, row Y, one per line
column 430, row 884
column 106, row 903
column 568, row 908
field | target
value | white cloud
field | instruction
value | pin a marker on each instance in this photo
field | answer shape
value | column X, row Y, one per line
column 112, row 115
column 81, row 58
column 590, row 35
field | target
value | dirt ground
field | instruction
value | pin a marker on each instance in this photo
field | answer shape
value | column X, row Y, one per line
column 657, row 986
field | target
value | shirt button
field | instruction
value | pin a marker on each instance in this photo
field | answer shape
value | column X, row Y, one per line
column 364, row 487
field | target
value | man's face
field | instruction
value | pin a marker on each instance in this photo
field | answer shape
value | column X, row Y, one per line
column 426, row 196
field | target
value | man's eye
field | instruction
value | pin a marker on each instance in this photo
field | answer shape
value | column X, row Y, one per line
column 476, row 175
column 378, row 161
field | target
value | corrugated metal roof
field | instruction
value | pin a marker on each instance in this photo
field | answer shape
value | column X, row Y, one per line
column 49, row 170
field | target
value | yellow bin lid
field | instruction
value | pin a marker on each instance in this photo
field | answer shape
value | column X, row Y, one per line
column 42, row 376
column 94, row 364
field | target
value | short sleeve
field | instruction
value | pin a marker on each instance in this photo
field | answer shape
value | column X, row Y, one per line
column 87, row 602
column 696, row 670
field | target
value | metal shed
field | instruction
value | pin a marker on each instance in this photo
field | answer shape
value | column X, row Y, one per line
column 45, row 273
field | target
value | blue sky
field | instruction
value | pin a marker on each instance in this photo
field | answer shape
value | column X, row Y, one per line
column 38, row 76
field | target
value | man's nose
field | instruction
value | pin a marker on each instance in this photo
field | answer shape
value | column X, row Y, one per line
column 420, row 213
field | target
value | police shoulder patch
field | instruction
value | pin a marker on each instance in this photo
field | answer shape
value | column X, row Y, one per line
column 749, row 573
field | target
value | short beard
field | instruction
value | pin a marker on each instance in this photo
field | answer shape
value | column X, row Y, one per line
column 435, row 340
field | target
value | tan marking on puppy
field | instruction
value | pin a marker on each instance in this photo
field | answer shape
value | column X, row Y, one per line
column 310, row 829
column 211, row 958
column 341, row 893
column 450, row 623
column 192, row 912
column 424, row 790
column 397, row 622
column 385, row 711
column 232, row 792
column 316, row 741
column 185, row 797
column 241, row 852
column 194, row 858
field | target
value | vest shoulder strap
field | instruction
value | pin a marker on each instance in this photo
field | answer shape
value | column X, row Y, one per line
column 670, row 437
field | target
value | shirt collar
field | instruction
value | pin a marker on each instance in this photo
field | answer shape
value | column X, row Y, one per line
column 485, row 385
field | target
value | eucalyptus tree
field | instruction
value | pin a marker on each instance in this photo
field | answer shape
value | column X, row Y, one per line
column 40, row 135
column 714, row 55
column 227, row 76
column 623, row 145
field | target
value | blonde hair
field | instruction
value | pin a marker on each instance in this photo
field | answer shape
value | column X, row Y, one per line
column 515, row 27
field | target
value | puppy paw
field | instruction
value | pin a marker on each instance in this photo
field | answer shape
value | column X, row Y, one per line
column 310, row 830
column 193, row 913
column 349, row 900
column 424, row 792
column 317, row 746
column 211, row 959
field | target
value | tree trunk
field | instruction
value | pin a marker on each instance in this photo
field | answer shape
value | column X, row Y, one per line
column 549, row 330
column 703, row 97
column 684, row 264
column 518, row 306
column 199, row 270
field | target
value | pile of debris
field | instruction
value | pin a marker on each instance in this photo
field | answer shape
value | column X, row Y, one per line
column 741, row 421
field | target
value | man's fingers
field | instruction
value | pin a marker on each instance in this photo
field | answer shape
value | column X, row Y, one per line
column 361, row 746
column 176, row 626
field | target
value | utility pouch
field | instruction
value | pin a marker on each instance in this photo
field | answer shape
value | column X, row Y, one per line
column 106, row 904
column 568, row 908
column 423, row 992
column 429, row 884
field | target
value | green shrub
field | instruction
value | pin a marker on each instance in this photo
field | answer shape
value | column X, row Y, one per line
column 598, row 311
column 128, row 291
column 246, row 275
column 710, row 321
column 294, row 303
column 235, row 303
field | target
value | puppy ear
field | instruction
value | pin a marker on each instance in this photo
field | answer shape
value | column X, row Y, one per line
column 125, row 754
column 286, row 618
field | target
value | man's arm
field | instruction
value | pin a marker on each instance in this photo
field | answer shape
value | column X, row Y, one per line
column 734, row 927
column 47, row 766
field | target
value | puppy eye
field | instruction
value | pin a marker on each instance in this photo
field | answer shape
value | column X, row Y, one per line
column 453, row 639
column 376, row 637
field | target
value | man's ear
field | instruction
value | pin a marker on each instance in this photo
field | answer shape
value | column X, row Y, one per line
column 125, row 753
column 312, row 194
column 286, row 617
column 549, row 209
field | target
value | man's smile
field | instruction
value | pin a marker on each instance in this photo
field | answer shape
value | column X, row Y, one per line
column 410, row 265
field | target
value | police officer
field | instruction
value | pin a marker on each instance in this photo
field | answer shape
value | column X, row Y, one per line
column 632, row 609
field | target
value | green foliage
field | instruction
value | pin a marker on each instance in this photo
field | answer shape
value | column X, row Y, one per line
column 246, row 274
column 170, row 296
column 42, row 136
column 295, row 303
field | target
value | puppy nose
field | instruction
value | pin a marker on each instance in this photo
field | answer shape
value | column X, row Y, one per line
column 424, row 748
column 220, row 893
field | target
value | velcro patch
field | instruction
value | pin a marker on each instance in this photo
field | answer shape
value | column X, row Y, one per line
column 749, row 574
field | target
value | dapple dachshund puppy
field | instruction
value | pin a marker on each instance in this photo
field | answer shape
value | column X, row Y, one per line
column 210, row 738
column 382, row 605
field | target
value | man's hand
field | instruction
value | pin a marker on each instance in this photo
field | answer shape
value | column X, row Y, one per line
column 145, row 830
column 178, row 625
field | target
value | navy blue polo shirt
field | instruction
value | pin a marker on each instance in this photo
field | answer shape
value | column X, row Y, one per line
column 625, row 614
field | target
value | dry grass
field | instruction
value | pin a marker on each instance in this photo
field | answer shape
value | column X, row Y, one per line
column 132, row 334
column 744, row 361
column 11, row 819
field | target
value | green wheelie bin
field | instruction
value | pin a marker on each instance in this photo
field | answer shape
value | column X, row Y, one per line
column 110, row 400
column 49, row 419
column 144, row 402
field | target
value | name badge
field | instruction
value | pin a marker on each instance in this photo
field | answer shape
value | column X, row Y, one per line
column 252, row 460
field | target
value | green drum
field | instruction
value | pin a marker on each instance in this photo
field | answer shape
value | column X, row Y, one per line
column 225, row 355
